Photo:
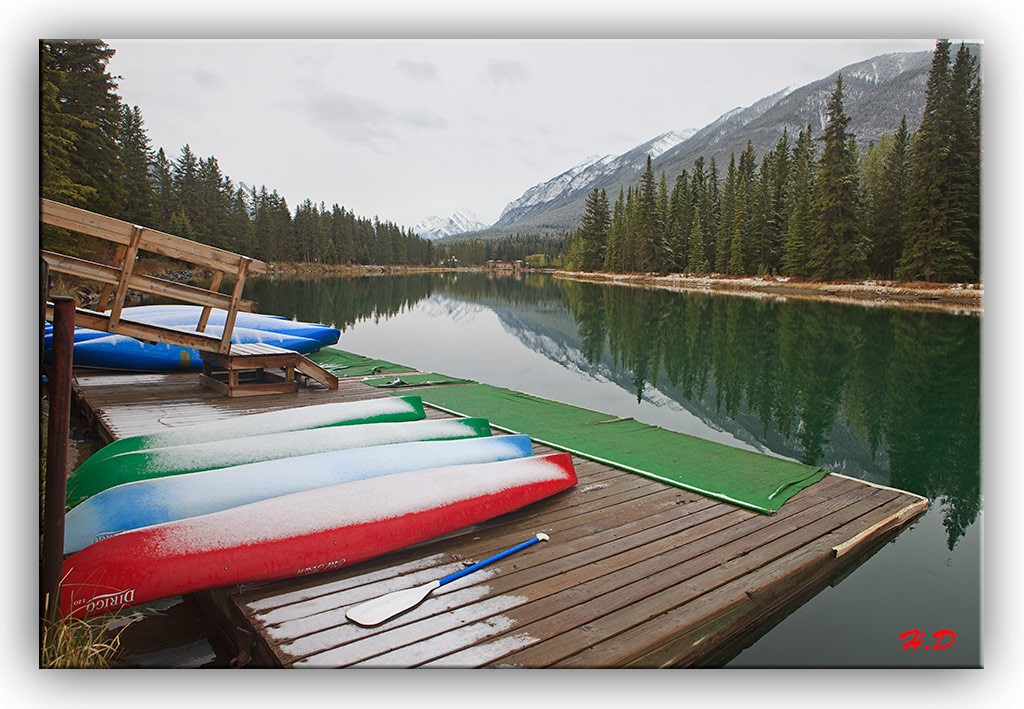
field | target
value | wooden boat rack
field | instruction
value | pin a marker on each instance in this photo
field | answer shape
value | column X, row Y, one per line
column 117, row 279
column 239, row 361
column 243, row 370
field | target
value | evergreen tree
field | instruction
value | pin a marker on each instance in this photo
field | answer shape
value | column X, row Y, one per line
column 80, row 119
column 680, row 220
column 930, row 252
column 614, row 257
column 137, row 156
column 776, row 217
column 837, row 251
column 799, row 228
column 886, row 194
column 696, row 262
column 723, row 244
column 57, row 138
column 593, row 232
column 964, row 160
column 646, row 239
column 186, row 184
column 163, row 190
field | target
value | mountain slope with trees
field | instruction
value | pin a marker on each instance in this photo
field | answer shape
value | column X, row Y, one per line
column 906, row 206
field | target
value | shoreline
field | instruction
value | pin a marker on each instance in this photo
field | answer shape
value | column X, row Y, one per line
column 957, row 298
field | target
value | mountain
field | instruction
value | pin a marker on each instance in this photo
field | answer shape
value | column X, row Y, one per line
column 578, row 180
column 461, row 221
column 877, row 92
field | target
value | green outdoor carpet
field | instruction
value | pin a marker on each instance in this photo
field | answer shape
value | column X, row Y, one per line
column 348, row 364
column 753, row 480
column 415, row 380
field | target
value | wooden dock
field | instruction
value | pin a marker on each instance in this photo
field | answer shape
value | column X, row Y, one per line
column 637, row 573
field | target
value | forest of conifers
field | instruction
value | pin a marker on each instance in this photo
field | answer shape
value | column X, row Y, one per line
column 95, row 154
column 907, row 207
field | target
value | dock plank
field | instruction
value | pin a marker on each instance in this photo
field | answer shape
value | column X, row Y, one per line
column 637, row 573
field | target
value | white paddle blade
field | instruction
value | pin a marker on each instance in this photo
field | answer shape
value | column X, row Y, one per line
column 378, row 610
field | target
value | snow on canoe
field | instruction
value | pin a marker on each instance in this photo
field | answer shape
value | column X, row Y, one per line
column 191, row 458
column 303, row 533
column 123, row 352
column 385, row 409
column 157, row 500
column 187, row 316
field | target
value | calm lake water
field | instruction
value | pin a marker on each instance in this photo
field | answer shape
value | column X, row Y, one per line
column 886, row 395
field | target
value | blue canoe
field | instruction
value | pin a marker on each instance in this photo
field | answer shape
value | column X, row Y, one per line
column 106, row 351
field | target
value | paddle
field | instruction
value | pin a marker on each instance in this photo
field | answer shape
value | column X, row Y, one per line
column 378, row 610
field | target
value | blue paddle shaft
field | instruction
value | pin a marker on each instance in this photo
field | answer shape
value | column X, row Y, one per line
column 490, row 560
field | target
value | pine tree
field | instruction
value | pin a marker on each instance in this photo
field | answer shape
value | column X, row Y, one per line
column 695, row 262
column 930, row 252
column 964, row 160
column 593, row 232
column 837, row 251
column 137, row 156
column 799, row 227
column 80, row 119
column 679, row 222
column 614, row 258
column 57, row 138
column 647, row 256
column 886, row 196
column 162, row 180
column 723, row 244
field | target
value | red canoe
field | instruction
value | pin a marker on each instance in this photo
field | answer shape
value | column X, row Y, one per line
column 302, row 533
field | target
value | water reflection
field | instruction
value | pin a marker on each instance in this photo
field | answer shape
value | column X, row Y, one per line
column 882, row 394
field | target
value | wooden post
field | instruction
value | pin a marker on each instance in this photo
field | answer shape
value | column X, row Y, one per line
column 108, row 289
column 57, row 431
column 236, row 295
column 126, row 275
column 205, row 316
column 44, row 294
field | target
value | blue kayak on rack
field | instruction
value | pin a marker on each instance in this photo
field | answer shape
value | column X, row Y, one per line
column 103, row 350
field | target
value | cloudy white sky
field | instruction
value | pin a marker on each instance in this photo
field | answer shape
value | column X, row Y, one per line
column 406, row 129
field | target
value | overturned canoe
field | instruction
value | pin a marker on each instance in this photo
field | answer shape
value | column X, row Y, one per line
column 382, row 410
column 303, row 533
column 102, row 350
column 127, row 353
column 176, row 460
column 187, row 317
column 158, row 500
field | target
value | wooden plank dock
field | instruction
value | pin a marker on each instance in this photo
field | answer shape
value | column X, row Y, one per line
column 637, row 573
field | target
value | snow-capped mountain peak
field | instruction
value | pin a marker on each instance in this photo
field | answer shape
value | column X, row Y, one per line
column 581, row 176
column 461, row 221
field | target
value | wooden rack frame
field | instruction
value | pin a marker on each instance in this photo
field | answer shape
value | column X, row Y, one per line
column 118, row 279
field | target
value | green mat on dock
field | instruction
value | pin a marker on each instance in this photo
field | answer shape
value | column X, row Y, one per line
column 347, row 364
column 415, row 380
column 753, row 480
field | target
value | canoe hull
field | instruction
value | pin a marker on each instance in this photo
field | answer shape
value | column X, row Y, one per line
column 302, row 534
column 168, row 499
column 177, row 460
column 106, row 351
column 382, row 410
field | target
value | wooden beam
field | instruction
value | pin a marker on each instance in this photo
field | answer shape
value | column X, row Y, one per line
column 236, row 295
column 108, row 287
column 110, row 276
column 214, row 285
column 126, row 274
column 120, row 232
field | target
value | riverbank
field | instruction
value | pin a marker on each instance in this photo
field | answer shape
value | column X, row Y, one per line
column 965, row 298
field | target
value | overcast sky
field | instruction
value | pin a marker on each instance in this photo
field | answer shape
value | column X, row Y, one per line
column 407, row 129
